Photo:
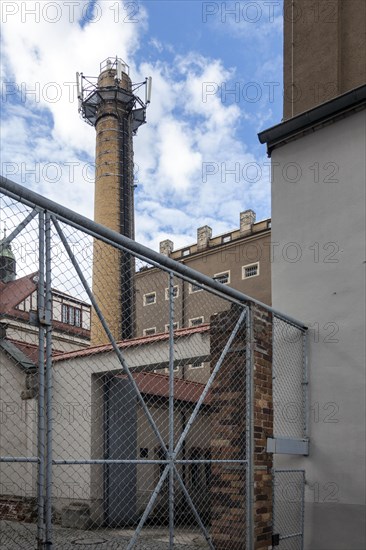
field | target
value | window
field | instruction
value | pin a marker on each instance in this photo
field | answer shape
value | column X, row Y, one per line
column 226, row 239
column 250, row 270
column 144, row 452
column 65, row 314
column 175, row 326
column 175, row 292
column 149, row 298
column 149, row 331
column 77, row 317
column 196, row 365
column 71, row 315
column 175, row 369
column 160, row 455
column 194, row 288
column 186, row 252
column 195, row 321
column 223, row 278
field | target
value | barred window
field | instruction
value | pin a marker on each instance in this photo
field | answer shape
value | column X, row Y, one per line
column 175, row 326
column 194, row 288
column 195, row 321
column 175, row 292
column 149, row 298
column 223, row 278
column 149, row 331
column 250, row 270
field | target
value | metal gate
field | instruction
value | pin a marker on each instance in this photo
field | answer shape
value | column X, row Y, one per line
column 142, row 442
column 117, row 444
column 288, row 509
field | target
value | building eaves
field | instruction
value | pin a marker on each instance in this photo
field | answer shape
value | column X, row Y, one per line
column 134, row 342
column 158, row 385
column 325, row 113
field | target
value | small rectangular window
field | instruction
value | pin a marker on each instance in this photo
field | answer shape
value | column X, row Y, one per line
column 144, row 452
column 186, row 252
column 194, row 288
column 175, row 292
column 175, row 369
column 250, row 270
column 149, row 331
column 196, row 321
column 196, row 365
column 149, row 298
column 223, row 278
column 175, row 326
column 226, row 239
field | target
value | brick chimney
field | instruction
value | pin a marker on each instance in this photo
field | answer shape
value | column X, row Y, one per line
column 166, row 247
column 247, row 218
column 204, row 235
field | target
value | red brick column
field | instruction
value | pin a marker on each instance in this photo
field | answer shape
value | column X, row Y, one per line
column 263, row 425
column 228, row 425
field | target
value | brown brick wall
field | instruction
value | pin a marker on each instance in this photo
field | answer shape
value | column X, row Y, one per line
column 18, row 509
column 228, row 412
column 263, row 425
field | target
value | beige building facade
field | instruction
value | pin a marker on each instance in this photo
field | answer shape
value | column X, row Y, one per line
column 240, row 259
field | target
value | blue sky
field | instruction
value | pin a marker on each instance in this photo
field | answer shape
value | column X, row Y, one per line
column 217, row 81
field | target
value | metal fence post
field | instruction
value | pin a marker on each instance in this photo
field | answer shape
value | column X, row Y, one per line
column 171, row 410
column 48, row 373
column 249, row 441
column 41, row 383
column 305, row 340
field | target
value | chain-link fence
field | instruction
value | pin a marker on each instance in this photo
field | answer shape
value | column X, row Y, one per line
column 289, row 379
column 122, row 376
column 288, row 509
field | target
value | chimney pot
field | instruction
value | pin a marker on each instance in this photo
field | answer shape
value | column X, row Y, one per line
column 247, row 218
column 166, row 247
column 204, row 235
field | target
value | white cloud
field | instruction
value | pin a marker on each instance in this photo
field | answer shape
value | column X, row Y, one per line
column 183, row 134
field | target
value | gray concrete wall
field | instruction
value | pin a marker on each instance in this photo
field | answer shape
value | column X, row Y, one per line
column 318, row 231
column 18, row 431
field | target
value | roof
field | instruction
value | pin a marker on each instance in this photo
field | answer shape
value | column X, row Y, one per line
column 14, row 292
column 158, row 385
column 31, row 351
column 14, row 351
column 323, row 113
column 106, row 348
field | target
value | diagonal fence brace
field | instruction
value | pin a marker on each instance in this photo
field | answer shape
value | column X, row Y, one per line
column 108, row 333
column 210, row 382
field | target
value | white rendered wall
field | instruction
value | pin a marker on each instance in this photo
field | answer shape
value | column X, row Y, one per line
column 320, row 280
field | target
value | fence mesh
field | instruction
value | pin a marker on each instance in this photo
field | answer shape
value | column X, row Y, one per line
column 289, row 379
column 288, row 508
column 125, row 405
column 131, row 430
